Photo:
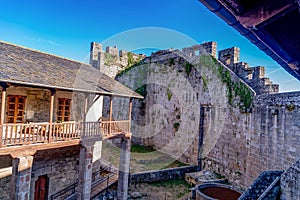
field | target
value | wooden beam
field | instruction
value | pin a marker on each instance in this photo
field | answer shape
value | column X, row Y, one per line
column 51, row 113
column 85, row 112
column 85, row 105
column 129, row 114
column 51, row 106
column 96, row 99
column 110, row 113
column 3, row 103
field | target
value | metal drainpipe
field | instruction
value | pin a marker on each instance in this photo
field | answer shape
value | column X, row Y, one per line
column 200, row 139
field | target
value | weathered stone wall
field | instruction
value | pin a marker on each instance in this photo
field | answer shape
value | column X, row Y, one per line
column 240, row 142
column 228, row 155
column 290, row 182
column 5, row 185
column 175, row 87
column 38, row 103
column 161, row 175
column 275, row 133
column 5, row 177
column 60, row 166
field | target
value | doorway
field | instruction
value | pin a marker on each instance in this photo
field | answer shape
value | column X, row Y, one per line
column 41, row 188
column 15, row 109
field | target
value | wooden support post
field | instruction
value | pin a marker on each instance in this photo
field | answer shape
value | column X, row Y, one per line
column 85, row 112
column 110, row 114
column 51, row 114
column 129, row 114
column 2, row 112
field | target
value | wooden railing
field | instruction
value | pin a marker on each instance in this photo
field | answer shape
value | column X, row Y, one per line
column 30, row 133
column 113, row 128
column 91, row 129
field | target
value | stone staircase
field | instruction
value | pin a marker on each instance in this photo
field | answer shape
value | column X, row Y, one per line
column 265, row 187
column 101, row 184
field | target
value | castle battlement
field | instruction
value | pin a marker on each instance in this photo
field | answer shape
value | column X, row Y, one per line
column 198, row 49
column 254, row 76
column 112, row 60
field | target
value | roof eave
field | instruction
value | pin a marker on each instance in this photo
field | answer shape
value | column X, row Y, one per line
column 216, row 7
column 51, row 87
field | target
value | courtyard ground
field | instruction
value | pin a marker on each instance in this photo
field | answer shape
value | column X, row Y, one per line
column 175, row 190
column 141, row 158
column 146, row 159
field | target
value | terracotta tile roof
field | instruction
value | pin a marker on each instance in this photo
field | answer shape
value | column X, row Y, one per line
column 23, row 66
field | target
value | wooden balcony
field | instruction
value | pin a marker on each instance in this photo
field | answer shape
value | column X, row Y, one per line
column 112, row 129
column 35, row 133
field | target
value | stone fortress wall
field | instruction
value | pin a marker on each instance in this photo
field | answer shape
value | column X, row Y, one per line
column 186, row 95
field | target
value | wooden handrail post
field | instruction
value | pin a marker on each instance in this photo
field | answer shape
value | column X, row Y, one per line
column 110, row 114
column 3, row 98
column 51, row 114
column 129, row 114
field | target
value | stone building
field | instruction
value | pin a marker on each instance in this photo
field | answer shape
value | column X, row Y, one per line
column 49, row 148
column 218, row 113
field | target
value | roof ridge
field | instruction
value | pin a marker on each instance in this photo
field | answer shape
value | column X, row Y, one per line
column 42, row 52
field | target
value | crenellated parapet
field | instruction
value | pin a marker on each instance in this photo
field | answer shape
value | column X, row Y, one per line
column 112, row 60
column 198, row 49
column 254, row 76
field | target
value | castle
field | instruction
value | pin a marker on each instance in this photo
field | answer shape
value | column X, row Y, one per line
column 216, row 113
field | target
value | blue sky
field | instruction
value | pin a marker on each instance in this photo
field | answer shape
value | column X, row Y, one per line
column 66, row 28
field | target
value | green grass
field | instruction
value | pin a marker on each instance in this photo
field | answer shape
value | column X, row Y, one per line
column 176, row 126
column 141, row 149
column 174, row 185
column 174, row 164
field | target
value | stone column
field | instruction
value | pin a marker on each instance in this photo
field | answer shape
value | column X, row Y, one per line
column 124, row 169
column 85, row 171
column 21, row 177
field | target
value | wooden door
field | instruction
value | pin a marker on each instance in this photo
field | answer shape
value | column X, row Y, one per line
column 41, row 188
column 64, row 108
column 15, row 109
